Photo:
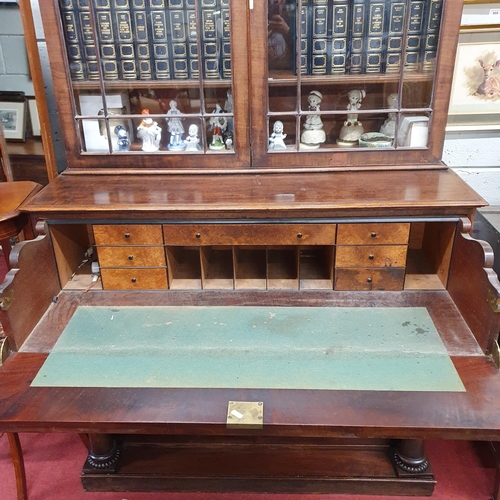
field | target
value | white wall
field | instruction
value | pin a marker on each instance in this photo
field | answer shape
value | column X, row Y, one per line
column 475, row 156
column 14, row 67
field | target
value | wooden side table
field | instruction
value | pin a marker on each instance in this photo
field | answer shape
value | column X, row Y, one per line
column 12, row 220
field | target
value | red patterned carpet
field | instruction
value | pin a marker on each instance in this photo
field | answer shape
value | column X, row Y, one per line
column 463, row 470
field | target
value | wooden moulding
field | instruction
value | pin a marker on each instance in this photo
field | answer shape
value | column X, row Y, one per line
column 30, row 287
column 474, row 286
column 240, row 464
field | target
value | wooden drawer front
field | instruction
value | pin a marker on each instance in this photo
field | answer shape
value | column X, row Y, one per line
column 383, row 233
column 134, row 279
column 128, row 234
column 249, row 234
column 371, row 256
column 363, row 278
column 131, row 256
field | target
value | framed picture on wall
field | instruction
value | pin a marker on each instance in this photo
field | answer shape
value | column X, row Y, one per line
column 34, row 119
column 13, row 117
column 475, row 93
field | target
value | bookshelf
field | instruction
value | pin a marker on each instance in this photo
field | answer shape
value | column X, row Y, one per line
column 250, row 85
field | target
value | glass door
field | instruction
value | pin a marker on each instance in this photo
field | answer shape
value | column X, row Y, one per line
column 348, row 82
column 152, row 83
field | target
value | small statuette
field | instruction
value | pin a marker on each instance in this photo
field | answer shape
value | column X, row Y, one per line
column 389, row 126
column 123, row 140
column 175, row 128
column 352, row 129
column 277, row 138
column 150, row 133
column 313, row 134
column 192, row 141
column 228, row 140
column 218, row 125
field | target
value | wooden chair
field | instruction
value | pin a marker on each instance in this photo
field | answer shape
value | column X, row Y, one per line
column 9, row 223
column 18, row 461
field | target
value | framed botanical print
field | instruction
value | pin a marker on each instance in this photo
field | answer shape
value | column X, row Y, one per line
column 13, row 117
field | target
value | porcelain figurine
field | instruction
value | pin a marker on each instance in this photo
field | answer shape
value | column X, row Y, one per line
column 228, row 140
column 352, row 129
column 277, row 138
column 218, row 125
column 313, row 134
column 150, row 133
column 192, row 140
column 175, row 128
column 389, row 126
column 123, row 141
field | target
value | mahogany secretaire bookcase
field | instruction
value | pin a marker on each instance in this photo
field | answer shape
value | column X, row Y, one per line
column 255, row 273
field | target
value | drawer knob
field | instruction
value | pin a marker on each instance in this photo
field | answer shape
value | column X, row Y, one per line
column 198, row 235
column 127, row 235
column 299, row 235
column 130, row 257
column 368, row 280
column 374, row 234
column 371, row 257
column 133, row 280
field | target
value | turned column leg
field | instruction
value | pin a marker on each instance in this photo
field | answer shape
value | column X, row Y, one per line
column 409, row 456
column 103, row 454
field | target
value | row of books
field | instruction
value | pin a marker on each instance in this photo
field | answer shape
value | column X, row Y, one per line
column 368, row 36
column 147, row 39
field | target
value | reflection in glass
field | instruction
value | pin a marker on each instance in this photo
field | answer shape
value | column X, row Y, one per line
column 280, row 34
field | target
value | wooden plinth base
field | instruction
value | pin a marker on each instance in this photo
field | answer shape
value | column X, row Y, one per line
column 256, row 465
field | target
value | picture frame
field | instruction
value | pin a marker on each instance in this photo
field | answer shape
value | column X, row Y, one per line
column 475, row 92
column 34, row 118
column 13, row 117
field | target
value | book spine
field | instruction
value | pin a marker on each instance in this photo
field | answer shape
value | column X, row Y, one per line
column 414, row 39
column 431, row 38
column 124, row 33
column 356, row 43
column 89, row 41
column 106, row 39
column 73, row 40
column 396, row 17
column 305, row 38
column 319, row 37
column 179, row 44
column 193, row 54
column 160, row 51
column 210, row 55
column 375, row 38
column 142, row 39
column 225, row 39
column 339, row 38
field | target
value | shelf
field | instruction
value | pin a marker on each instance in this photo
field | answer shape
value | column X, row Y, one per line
column 150, row 84
column 278, row 78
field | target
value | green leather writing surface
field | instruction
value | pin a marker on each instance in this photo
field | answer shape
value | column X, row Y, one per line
column 251, row 347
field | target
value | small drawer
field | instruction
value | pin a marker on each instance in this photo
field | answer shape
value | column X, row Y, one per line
column 362, row 278
column 371, row 256
column 383, row 233
column 128, row 234
column 249, row 234
column 131, row 256
column 134, row 279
